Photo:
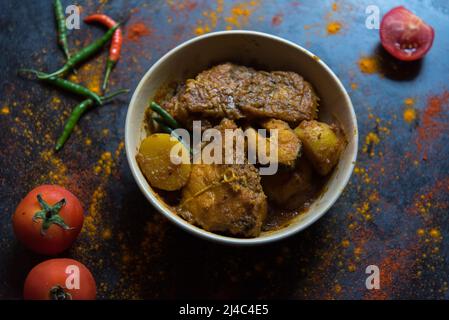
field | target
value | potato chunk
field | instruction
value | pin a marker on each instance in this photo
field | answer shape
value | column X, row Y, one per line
column 289, row 146
column 292, row 189
column 157, row 164
column 322, row 145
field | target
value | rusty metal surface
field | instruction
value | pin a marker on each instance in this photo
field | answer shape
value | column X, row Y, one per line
column 393, row 213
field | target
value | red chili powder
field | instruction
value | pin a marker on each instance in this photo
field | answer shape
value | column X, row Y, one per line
column 295, row 3
column 277, row 19
column 137, row 30
column 188, row 5
column 397, row 263
column 432, row 125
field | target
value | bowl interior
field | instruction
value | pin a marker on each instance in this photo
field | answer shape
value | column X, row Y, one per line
column 264, row 52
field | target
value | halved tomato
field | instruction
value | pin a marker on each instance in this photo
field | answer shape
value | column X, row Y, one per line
column 405, row 35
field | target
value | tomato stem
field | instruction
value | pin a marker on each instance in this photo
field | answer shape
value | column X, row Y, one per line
column 50, row 215
column 58, row 293
column 109, row 65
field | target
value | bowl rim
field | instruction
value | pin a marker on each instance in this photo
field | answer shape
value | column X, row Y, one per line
column 217, row 237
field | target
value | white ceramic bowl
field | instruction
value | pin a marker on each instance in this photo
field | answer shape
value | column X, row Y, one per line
column 263, row 51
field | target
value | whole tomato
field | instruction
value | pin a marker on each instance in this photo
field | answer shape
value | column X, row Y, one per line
column 48, row 219
column 60, row 279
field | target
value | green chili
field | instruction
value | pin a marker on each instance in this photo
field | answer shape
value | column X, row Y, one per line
column 76, row 114
column 161, row 123
column 62, row 29
column 67, row 85
column 167, row 117
column 84, row 53
column 164, row 127
column 112, row 95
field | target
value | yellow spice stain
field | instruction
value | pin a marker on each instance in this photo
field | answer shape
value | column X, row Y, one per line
column 24, row 130
column 358, row 170
column 421, row 232
column 351, row 267
column 106, row 234
column 371, row 140
column 119, row 149
column 334, row 6
column 104, row 164
column 423, row 205
column 55, row 100
column 58, row 173
column 5, row 110
column 368, row 65
column 345, row 243
column 91, row 75
column 210, row 20
column 27, row 111
column 202, row 30
column 337, row 288
column 74, row 77
column 107, row 162
column 364, row 209
column 333, row 27
column 95, row 85
column 55, row 103
column 104, row 167
column 91, row 222
column 95, row 78
column 435, row 233
column 409, row 115
column 409, row 102
column 382, row 128
column 354, row 86
column 87, row 141
column 47, row 138
column 239, row 11
column 364, row 175
column 374, row 196
column 240, row 14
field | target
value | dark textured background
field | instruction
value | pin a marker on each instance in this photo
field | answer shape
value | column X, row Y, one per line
column 392, row 214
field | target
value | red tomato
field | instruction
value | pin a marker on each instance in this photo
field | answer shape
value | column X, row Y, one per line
column 404, row 35
column 48, row 219
column 60, row 279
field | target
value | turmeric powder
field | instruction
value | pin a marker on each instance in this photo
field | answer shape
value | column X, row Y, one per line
column 368, row 65
column 333, row 27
